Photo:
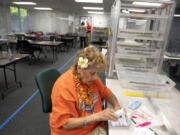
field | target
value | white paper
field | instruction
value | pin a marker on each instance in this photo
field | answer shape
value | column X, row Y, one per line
column 123, row 120
column 142, row 131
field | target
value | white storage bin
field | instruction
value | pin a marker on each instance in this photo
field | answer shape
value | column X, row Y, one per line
column 144, row 81
column 142, row 52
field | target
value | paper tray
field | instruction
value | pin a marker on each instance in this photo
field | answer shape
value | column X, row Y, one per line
column 144, row 81
column 138, row 52
column 136, row 65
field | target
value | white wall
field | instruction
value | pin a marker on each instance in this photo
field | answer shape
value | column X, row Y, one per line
column 97, row 20
column 40, row 21
column 63, row 23
column 6, row 21
column 101, row 20
column 50, row 21
column 5, row 27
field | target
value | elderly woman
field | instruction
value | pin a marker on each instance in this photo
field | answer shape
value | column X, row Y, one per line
column 77, row 97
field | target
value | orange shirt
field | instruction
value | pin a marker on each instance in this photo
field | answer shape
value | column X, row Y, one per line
column 65, row 104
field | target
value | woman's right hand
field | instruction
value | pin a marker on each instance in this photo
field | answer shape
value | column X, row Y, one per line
column 107, row 114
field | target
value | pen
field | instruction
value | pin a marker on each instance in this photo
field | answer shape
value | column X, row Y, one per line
column 153, row 131
column 144, row 124
column 133, row 120
column 134, row 117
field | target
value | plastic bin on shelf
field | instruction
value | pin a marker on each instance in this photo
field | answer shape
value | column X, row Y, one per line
column 136, row 64
column 144, row 81
column 142, row 52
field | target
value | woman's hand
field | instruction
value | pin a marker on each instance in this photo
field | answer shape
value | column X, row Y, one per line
column 107, row 114
column 118, row 107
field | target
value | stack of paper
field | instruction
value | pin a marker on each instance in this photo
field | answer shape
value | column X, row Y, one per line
column 142, row 131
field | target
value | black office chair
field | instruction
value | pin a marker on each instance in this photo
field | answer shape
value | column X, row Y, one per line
column 24, row 47
column 52, row 38
column 45, row 81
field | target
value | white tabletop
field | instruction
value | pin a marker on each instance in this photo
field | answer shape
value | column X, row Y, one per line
column 3, row 40
column 170, row 108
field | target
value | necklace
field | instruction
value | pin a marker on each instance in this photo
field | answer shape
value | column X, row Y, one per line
column 85, row 98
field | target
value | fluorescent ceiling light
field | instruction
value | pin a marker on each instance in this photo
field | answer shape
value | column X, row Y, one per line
column 176, row 15
column 24, row 3
column 147, row 4
column 93, row 12
column 43, row 8
column 93, row 8
column 89, row 1
column 137, row 10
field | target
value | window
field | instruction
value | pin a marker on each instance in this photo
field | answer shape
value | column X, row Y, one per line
column 14, row 13
column 19, row 19
column 14, row 10
column 23, row 19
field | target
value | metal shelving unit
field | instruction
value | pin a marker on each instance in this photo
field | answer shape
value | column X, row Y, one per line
column 139, row 34
column 136, row 50
column 137, row 43
column 143, row 16
column 99, row 34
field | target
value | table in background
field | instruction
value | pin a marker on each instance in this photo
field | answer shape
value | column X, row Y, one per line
column 5, row 62
column 174, row 71
column 66, row 40
column 12, row 41
column 169, row 108
column 30, row 37
column 74, row 36
column 53, row 44
column 3, row 42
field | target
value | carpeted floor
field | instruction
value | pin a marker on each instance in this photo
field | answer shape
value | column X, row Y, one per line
column 30, row 120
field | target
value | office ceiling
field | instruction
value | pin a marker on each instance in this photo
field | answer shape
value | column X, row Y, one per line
column 71, row 5
column 65, row 5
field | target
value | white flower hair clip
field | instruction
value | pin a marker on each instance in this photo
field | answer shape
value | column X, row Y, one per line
column 83, row 62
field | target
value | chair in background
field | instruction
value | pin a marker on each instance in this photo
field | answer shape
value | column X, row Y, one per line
column 62, row 47
column 102, row 76
column 24, row 47
column 45, row 81
column 52, row 38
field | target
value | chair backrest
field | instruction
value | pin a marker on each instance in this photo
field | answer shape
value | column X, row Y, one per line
column 23, row 46
column 52, row 38
column 102, row 76
column 45, row 81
